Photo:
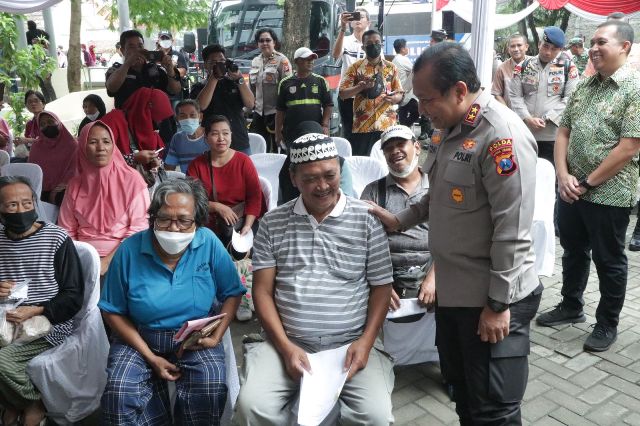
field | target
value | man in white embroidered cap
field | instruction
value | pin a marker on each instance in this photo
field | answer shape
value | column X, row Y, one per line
column 322, row 280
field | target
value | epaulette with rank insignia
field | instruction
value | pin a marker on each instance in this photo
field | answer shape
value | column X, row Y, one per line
column 472, row 115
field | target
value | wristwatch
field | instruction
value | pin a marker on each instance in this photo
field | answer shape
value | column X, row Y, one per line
column 496, row 306
column 583, row 183
column 241, row 80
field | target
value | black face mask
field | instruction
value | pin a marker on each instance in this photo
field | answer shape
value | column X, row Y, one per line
column 19, row 223
column 50, row 131
column 373, row 50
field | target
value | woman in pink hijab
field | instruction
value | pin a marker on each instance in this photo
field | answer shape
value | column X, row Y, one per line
column 6, row 139
column 107, row 200
column 55, row 153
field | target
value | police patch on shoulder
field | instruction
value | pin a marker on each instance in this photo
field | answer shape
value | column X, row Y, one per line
column 502, row 153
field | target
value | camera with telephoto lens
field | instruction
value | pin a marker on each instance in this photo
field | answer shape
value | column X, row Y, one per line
column 226, row 66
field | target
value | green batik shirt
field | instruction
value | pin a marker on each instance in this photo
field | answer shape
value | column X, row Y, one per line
column 597, row 116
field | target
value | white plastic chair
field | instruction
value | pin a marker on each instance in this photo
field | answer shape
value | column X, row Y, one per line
column 4, row 158
column 174, row 174
column 71, row 376
column 268, row 166
column 376, row 152
column 257, row 143
column 266, row 192
column 364, row 170
column 542, row 229
column 46, row 211
column 343, row 146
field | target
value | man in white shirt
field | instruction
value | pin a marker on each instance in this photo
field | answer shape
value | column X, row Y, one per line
column 349, row 49
column 116, row 57
column 408, row 110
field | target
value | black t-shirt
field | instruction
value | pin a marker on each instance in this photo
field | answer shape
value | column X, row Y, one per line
column 227, row 101
column 37, row 33
column 151, row 75
column 302, row 99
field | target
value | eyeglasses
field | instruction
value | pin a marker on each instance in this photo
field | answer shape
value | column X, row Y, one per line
column 265, row 40
column 183, row 223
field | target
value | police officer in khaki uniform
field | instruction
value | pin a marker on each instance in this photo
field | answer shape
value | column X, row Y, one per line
column 267, row 69
column 541, row 87
column 482, row 175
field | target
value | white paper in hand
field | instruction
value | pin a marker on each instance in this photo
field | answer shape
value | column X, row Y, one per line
column 407, row 307
column 242, row 243
column 320, row 390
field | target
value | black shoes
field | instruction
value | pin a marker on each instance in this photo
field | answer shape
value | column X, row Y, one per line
column 560, row 315
column 601, row 338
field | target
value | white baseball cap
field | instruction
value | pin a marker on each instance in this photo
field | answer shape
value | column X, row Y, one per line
column 396, row 132
column 304, row 53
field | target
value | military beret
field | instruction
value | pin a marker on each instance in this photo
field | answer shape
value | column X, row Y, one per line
column 554, row 35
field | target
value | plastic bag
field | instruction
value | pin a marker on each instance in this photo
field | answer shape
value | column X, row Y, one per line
column 7, row 329
column 32, row 329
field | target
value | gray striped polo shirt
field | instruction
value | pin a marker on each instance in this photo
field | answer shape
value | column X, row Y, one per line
column 323, row 270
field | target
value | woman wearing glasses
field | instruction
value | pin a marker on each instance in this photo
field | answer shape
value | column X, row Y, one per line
column 159, row 278
column 267, row 69
column 107, row 200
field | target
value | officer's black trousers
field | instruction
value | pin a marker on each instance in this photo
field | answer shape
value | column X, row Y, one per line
column 586, row 230
column 489, row 380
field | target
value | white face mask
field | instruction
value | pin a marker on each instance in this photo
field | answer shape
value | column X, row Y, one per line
column 94, row 116
column 174, row 242
column 409, row 170
column 165, row 44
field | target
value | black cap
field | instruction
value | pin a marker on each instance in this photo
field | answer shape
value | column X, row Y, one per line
column 439, row 35
column 165, row 34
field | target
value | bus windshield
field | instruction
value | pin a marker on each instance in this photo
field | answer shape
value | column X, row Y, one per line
column 234, row 23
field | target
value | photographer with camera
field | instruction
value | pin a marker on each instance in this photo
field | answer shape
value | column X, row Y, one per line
column 225, row 92
column 140, row 69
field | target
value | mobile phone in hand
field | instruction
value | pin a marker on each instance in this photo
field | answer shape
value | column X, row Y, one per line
column 153, row 55
column 354, row 16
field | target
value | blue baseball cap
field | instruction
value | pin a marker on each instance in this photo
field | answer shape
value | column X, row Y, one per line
column 554, row 35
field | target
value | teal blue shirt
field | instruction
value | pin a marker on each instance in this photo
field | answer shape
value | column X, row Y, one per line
column 139, row 286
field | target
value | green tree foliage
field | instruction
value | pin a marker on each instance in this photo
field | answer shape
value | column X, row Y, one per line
column 153, row 15
column 30, row 65
column 539, row 19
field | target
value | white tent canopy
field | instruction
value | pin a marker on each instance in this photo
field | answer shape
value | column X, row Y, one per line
column 25, row 6
column 464, row 9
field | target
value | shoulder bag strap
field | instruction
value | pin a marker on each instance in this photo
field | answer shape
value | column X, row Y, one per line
column 214, row 193
column 382, row 192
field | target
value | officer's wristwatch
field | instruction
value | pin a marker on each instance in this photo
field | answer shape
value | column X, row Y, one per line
column 496, row 306
column 241, row 80
column 583, row 183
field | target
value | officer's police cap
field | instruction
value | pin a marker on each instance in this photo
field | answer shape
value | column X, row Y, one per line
column 554, row 35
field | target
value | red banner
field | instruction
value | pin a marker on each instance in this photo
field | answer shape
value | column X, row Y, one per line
column 441, row 3
column 598, row 7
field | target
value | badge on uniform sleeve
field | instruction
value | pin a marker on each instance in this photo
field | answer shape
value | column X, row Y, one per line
column 286, row 66
column 502, row 153
column 573, row 72
column 472, row 114
column 457, row 195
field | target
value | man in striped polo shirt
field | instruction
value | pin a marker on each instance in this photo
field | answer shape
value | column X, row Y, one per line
column 322, row 280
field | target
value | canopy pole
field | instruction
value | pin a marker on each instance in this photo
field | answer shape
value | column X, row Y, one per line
column 22, row 36
column 48, row 27
column 482, row 35
column 123, row 16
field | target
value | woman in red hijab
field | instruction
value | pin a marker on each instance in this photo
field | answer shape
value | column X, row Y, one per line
column 55, row 153
column 107, row 200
